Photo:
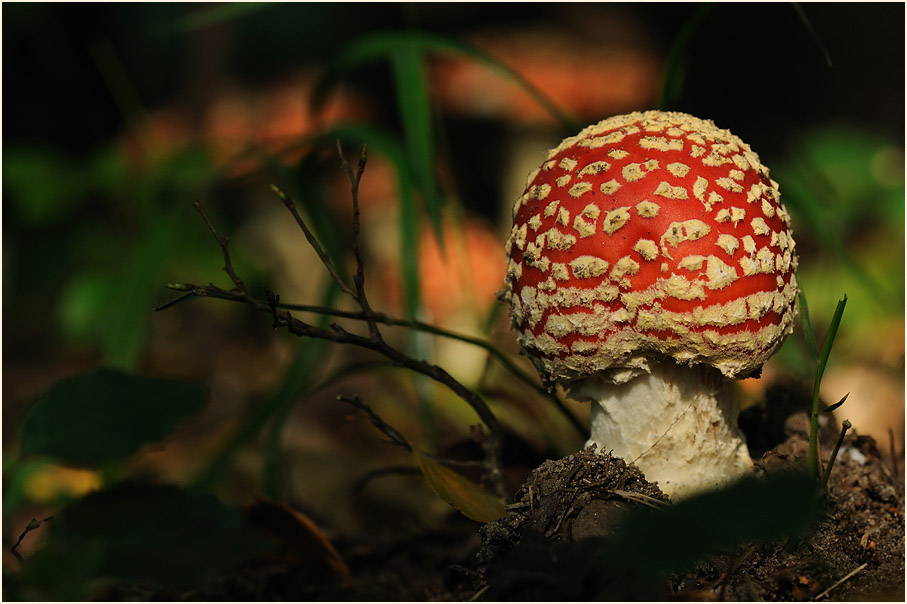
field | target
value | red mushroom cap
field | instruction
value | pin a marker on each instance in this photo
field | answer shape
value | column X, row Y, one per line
column 650, row 236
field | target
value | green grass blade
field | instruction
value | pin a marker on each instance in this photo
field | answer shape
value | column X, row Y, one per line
column 831, row 408
column 813, row 461
column 798, row 8
column 454, row 46
column 671, row 85
column 830, row 339
column 808, row 334
column 381, row 46
column 415, row 113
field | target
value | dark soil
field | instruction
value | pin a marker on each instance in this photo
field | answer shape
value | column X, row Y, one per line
column 568, row 509
column 567, row 519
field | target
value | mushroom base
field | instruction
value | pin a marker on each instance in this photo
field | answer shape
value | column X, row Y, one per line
column 677, row 424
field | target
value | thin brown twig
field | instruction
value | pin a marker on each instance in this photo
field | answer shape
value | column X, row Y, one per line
column 393, row 435
column 322, row 255
column 846, row 577
column 845, row 426
column 222, row 241
column 212, row 291
column 492, row 445
column 359, row 277
column 34, row 524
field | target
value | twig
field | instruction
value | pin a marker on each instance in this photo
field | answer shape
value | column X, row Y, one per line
column 211, row 291
column 655, row 504
column 842, row 580
column 359, row 277
column 394, row 437
column 492, row 445
column 34, row 524
column 322, row 255
column 845, row 426
column 222, row 241
column 479, row 594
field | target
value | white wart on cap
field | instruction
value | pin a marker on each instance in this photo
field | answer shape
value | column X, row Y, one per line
column 649, row 236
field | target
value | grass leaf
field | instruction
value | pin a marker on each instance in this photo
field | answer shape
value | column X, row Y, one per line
column 415, row 113
column 830, row 338
column 379, row 46
column 670, row 88
column 798, row 8
column 831, row 408
column 808, row 333
column 813, row 459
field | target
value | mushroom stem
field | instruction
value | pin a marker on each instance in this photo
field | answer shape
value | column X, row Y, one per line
column 678, row 424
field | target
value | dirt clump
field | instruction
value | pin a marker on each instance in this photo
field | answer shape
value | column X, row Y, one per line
column 558, row 540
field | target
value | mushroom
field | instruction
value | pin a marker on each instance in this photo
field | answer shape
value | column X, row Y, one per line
column 651, row 263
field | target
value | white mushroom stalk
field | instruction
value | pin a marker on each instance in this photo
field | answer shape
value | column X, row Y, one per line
column 677, row 423
column 650, row 263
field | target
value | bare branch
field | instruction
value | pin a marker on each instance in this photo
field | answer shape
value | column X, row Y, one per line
column 210, row 291
column 359, row 278
column 394, row 437
column 492, row 444
column 222, row 241
column 34, row 524
column 312, row 241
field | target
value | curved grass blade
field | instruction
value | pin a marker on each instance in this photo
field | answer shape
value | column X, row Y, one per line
column 671, row 85
column 808, row 333
column 798, row 8
column 813, row 461
column 372, row 47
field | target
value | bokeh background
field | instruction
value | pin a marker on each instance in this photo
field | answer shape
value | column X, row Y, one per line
column 116, row 117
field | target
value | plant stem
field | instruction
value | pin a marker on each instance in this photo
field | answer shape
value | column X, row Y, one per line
column 845, row 426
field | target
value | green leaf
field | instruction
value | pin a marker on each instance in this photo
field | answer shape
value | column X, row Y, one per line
column 106, row 415
column 753, row 509
column 808, row 333
column 831, row 408
column 470, row 499
column 813, row 459
column 160, row 535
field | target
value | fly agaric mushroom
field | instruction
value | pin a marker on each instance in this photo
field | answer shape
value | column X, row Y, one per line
column 650, row 263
